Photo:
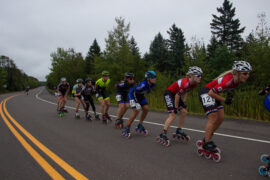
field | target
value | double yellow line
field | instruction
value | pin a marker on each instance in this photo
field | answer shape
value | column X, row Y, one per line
column 38, row 158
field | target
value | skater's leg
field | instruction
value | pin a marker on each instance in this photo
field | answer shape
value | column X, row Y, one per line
column 102, row 104
column 145, row 109
column 211, row 126
column 77, row 104
column 220, row 118
column 121, row 108
column 125, row 109
column 169, row 120
column 183, row 113
column 107, row 105
column 132, row 116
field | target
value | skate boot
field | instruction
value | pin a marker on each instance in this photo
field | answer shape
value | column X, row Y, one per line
column 163, row 139
column 141, row 130
column 108, row 116
column 200, row 143
column 77, row 115
column 208, row 149
column 181, row 135
column 97, row 117
column 88, row 117
column 60, row 113
column 126, row 132
column 104, row 119
column 265, row 170
column 119, row 123
column 64, row 109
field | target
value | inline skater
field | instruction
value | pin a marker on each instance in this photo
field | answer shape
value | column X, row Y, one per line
column 175, row 99
column 211, row 102
column 27, row 90
column 122, row 98
column 76, row 94
column 102, row 95
column 62, row 92
column 138, row 101
column 87, row 92
column 265, row 158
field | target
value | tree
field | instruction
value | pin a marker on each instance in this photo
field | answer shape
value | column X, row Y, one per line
column 158, row 54
column 176, row 45
column 94, row 51
column 211, row 48
column 134, row 48
column 226, row 28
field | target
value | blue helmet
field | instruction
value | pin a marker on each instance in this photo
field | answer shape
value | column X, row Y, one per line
column 150, row 74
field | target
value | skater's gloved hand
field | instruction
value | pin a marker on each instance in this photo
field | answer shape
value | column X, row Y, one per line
column 138, row 106
column 229, row 99
column 184, row 105
column 175, row 111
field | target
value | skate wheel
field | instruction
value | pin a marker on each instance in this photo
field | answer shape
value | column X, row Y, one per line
column 167, row 143
column 218, row 150
column 263, row 170
column 200, row 151
column 265, row 158
column 187, row 138
column 207, row 155
column 128, row 135
column 199, row 143
column 216, row 157
column 145, row 133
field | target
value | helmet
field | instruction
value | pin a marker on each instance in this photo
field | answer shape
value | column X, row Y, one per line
column 88, row 80
column 63, row 79
column 241, row 66
column 105, row 73
column 129, row 75
column 150, row 74
column 195, row 70
column 79, row 80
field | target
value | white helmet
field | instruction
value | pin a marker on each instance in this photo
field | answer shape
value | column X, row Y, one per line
column 195, row 70
column 241, row 66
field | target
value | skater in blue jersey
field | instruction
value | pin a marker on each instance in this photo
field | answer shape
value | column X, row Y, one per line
column 138, row 101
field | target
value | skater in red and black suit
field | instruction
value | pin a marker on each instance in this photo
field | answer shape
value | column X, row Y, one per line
column 175, row 99
column 212, row 104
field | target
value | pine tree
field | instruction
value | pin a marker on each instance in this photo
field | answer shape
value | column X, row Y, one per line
column 134, row 48
column 176, row 45
column 211, row 48
column 94, row 51
column 158, row 55
column 226, row 28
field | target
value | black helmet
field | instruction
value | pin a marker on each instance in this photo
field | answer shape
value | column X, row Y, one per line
column 88, row 80
column 79, row 80
column 129, row 75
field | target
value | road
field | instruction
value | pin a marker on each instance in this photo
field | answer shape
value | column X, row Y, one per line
column 36, row 144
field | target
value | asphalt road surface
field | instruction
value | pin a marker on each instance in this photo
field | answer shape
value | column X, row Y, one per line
column 36, row 144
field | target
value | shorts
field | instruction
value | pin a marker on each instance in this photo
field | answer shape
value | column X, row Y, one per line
column 102, row 95
column 210, row 105
column 169, row 98
column 80, row 97
column 139, row 98
column 122, row 98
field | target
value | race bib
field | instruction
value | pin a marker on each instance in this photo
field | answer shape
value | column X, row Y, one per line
column 118, row 97
column 207, row 100
column 132, row 103
column 97, row 95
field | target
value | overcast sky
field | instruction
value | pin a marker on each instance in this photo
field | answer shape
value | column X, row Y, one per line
column 31, row 29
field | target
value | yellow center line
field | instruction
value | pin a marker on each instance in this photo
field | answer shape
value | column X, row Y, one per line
column 40, row 160
column 70, row 170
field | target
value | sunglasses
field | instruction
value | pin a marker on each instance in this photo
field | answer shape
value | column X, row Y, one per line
column 198, row 76
column 105, row 75
column 245, row 73
column 131, row 78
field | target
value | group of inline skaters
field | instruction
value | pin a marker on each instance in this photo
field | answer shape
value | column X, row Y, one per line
column 130, row 95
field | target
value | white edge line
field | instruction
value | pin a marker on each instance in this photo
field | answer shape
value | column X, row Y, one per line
column 158, row 124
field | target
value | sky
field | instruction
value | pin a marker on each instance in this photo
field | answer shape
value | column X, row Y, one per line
column 30, row 30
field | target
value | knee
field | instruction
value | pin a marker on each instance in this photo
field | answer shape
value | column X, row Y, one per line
column 145, row 108
column 184, row 112
column 173, row 115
